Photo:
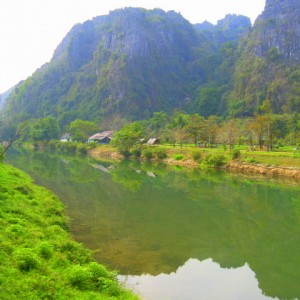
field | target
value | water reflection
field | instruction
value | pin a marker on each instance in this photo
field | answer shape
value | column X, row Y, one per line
column 198, row 280
column 151, row 219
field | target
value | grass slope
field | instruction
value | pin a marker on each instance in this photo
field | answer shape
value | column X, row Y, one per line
column 38, row 258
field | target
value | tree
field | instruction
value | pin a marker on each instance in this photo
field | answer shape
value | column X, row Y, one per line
column 128, row 137
column 229, row 132
column 211, row 130
column 180, row 120
column 158, row 121
column 180, row 136
column 295, row 127
column 43, row 129
column 258, row 125
column 266, row 108
column 194, row 127
column 82, row 129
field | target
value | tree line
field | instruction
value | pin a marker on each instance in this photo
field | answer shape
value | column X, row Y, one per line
column 264, row 130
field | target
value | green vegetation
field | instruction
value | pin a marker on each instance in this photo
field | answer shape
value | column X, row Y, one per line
column 129, row 137
column 37, row 130
column 38, row 258
column 81, row 129
column 183, row 67
column 70, row 147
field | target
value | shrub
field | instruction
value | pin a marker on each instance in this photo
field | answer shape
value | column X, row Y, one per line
column 92, row 145
column 75, row 252
column 196, row 155
column 250, row 160
column 136, row 152
column 17, row 229
column 98, row 271
column 216, row 160
column 71, row 147
column 26, row 260
column 82, row 149
column 111, row 287
column 178, row 156
column 236, row 154
column 126, row 153
column 147, row 154
column 45, row 250
column 160, row 153
column 79, row 277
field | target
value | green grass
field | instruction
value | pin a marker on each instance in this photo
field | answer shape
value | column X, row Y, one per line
column 38, row 258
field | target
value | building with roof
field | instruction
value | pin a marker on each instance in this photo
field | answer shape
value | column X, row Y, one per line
column 101, row 138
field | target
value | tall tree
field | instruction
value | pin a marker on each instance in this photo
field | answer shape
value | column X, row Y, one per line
column 194, row 127
column 128, row 137
column 82, row 129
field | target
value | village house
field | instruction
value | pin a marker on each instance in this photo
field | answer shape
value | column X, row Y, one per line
column 66, row 137
column 101, row 138
column 153, row 141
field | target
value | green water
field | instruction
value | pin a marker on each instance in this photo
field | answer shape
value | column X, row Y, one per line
column 180, row 234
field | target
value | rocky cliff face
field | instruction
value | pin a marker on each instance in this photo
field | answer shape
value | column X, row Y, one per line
column 269, row 63
column 278, row 29
column 133, row 62
column 229, row 29
column 124, row 65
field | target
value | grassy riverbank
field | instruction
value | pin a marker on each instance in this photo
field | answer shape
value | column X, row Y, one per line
column 239, row 159
column 38, row 258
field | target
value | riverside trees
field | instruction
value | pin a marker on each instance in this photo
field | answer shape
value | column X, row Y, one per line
column 262, row 131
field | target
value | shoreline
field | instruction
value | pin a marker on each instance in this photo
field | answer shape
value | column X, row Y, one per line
column 40, row 257
column 232, row 166
column 283, row 171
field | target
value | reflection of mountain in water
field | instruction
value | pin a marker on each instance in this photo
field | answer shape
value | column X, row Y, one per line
column 145, row 224
column 205, row 279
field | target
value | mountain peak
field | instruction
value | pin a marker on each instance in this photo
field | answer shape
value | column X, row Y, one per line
column 278, row 28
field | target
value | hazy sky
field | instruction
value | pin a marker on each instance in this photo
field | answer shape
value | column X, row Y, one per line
column 30, row 30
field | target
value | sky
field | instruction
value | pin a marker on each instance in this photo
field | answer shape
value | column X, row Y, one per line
column 30, row 30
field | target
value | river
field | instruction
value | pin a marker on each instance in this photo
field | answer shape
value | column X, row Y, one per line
column 174, row 233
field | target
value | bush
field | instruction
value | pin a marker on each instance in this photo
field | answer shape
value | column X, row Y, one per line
column 75, row 252
column 147, row 154
column 92, row 145
column 250, row 160
column 178, row 156
column 98, row 271
column 216, row 160
column 196, row 155
column 45, row 250
column 26, row 260
column 82, row 149
column 236, row 154
column 160, row 153
column 79, row 277
column 126, row 153
column 70, row 147
column 136, row 152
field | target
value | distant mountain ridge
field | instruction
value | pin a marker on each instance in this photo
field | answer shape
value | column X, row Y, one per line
column 125, row 65
column 133, row 62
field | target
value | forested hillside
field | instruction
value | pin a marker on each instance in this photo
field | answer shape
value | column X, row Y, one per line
column 129, row 64
column 133, row 62
column 269, row 65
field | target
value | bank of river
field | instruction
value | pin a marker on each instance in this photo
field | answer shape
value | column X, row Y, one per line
column 231, row 165
column 38, row 257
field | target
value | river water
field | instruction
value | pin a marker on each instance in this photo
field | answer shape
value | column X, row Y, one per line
column 174, row 233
